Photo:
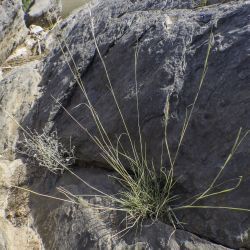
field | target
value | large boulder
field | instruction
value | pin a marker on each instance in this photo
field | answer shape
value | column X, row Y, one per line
column 173, row 41
column 12, row 27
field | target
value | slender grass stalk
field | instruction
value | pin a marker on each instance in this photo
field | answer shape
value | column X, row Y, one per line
column 189, row 115
column 43, row 195
column 236, row 209
column 206, row 193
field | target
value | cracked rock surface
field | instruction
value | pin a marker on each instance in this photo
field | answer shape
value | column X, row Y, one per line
column 12, row 27
column 172, row 40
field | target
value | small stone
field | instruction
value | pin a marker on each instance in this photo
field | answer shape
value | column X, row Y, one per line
column 35, row 29
column 19, row 53
column 205, row 17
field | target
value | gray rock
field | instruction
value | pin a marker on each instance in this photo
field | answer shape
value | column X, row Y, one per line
column 12, row 238
column 173, row 43
column 43, row 12
column 2, row 241
column 14, row 209
column 18, row 90
column 80, row 227
column 12, row 27
column 64, row 226
column 162, row 236
column 1, row 74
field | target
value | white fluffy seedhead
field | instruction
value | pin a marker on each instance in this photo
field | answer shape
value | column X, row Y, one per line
column 47, row 150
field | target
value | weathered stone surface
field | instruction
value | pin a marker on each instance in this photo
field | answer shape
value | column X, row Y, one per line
column 64, row 226
column 12, row 238
column 173, row 42
column 162, row 236
column 43, row 12
column 80, row 227
column 18, row 90
column 14, row 208
column 12, row 27
column 36, row 45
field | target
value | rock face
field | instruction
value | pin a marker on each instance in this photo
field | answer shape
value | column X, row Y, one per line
column 24, row 238
column 14, row 233
column 82, row 227
column 43, row 12
column 18, row 90
column 12, row 27
column 172, row 40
